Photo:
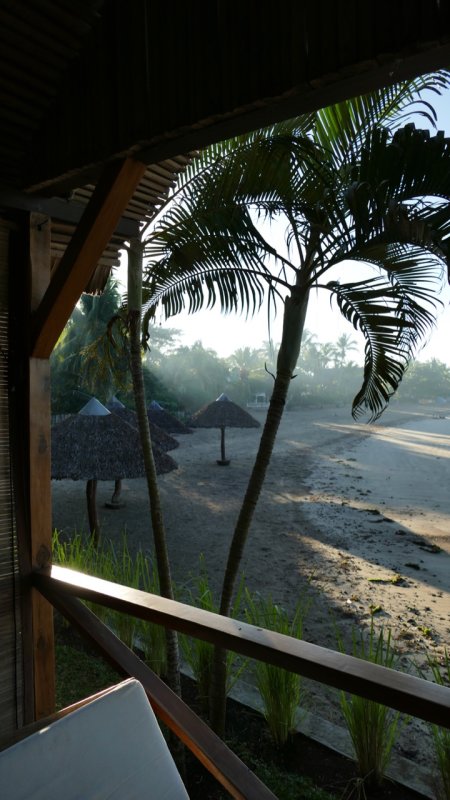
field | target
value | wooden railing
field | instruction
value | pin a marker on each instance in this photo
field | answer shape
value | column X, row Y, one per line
column 406, row 693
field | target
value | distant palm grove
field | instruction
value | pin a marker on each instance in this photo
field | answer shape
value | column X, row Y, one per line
column 183, row 378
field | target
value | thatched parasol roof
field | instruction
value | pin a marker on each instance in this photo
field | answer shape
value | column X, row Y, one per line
column 97, row 445
column 162, row 440
column 223, row 413
column 163, row 419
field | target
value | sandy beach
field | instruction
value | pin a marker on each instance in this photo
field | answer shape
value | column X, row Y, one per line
column 356, row 515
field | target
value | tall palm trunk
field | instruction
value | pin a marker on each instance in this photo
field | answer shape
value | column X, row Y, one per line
column 135, row 257
column 293, row 323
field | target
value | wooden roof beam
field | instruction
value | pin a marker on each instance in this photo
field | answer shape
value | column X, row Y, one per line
column 98, row 223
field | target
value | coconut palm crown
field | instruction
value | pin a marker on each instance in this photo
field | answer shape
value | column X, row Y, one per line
column 352, row 187
column 378, row 196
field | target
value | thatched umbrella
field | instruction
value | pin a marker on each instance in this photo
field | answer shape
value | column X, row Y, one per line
column 160, row 417
column 223, row 413
column 96, row 445
column 160, row 437
column 160, row 440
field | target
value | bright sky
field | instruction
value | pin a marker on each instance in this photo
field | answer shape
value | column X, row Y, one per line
column 225, row 334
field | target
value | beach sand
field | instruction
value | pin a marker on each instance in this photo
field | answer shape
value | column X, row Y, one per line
column 357, row 516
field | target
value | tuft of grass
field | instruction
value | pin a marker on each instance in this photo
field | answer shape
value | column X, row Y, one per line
column 81, row 554
column 373, row 727
column 122, row 568
column 198, row 654
column 280, row 690
column 441, row 736
column 151, row 637
column 116, row 564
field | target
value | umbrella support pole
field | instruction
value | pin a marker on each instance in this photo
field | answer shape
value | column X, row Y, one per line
column 91, row 498
column 223, row 462
column 115, row 501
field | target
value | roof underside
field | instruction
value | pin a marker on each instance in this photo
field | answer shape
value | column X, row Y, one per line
column 84, row 83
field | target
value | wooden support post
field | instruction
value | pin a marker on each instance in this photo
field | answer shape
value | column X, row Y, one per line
column 103, row 212
column 39, row 482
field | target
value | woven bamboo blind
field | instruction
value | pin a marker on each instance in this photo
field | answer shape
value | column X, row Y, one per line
column 10, row 643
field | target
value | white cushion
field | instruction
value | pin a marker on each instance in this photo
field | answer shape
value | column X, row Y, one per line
column 110, row 749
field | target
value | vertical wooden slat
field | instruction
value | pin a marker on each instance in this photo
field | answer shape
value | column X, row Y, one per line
column 11, row 674
column 40, row 515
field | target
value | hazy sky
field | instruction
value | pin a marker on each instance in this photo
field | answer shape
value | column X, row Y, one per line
column 225, row 334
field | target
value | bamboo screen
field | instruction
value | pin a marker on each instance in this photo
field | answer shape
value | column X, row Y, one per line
column 10, row 645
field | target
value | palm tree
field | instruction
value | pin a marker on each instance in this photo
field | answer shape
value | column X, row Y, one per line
column 343, row 346
column 246, row 363
column 133, row 323
column 85, row 362
column 353, row 188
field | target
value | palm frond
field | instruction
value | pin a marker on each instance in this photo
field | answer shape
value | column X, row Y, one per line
column 340, row 128
column 395, row 312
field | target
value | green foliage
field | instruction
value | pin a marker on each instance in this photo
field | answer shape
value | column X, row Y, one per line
column 426, row 381
column 116, row 564
column 195, row 375
column 81, row 554
column 80, row 674
column 441, row 736
column 126, row 570
column 199, row 654
column 284, row 784
column 89, row 359
column 280, row 690
column 373, row 727
column 151, row 637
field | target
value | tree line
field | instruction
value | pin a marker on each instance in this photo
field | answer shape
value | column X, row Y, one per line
column 183, row 378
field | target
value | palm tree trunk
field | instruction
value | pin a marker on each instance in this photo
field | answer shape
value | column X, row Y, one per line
column 135, row 257
column 293, row 323
column 91, row 498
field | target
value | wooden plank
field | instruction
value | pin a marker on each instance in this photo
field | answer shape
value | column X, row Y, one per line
column 405, row 693
column 218, row 759
column 39, row 479
column 41, row 532
column 92, row 235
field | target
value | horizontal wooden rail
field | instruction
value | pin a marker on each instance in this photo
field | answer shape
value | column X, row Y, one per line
column 210, row 750
column 406, row 693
